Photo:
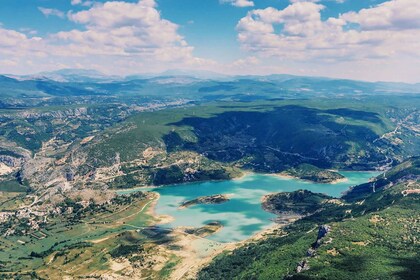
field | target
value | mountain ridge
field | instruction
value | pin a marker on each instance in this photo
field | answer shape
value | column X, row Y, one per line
column 74, row 74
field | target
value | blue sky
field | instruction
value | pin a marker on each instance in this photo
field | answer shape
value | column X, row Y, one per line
column 360, row 39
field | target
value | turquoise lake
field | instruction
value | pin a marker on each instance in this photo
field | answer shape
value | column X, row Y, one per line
column 242, row 216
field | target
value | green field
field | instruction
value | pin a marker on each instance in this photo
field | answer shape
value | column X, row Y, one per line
column 62, row 234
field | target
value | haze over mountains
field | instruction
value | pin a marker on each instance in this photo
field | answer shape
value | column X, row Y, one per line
column 187, row 84
column 69, row 74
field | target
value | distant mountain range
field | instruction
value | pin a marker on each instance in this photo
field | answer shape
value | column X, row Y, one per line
column 90, row 75
column 77, row 82
column 83, row 75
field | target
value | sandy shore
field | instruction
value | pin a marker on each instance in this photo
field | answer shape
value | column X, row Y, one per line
column 283, row 176
column 195, row 261
column 343, row 180
column 159, row 219
column 243, row 175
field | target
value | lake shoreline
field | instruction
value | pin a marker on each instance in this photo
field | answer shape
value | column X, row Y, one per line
column 243, row 175
column 248, row 190
column 151, row 211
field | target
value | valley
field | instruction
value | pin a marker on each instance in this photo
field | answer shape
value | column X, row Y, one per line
column 209, row 140
column 181, row 177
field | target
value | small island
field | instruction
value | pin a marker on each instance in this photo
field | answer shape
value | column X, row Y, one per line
column 211, row 199
column 314, row 174
column 290, row 206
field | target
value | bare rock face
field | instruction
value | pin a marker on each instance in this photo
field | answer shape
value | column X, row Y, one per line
column 302, row 266
column 11, row 161
column 322, row 232
column 69, row 174
column 311, row 252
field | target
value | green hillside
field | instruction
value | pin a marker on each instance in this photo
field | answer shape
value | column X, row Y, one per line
column 376, row 237
column 259, row 136
column 312, row 173
column 408, row 170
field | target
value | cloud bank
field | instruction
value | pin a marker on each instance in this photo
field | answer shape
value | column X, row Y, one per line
column 298, row 32
column 117, row 37
column 117, row 34
column 379, row 42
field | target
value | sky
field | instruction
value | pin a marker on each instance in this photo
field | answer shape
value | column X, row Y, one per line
column 375, row 40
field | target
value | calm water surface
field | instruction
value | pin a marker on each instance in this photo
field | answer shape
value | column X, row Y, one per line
column 242, row 216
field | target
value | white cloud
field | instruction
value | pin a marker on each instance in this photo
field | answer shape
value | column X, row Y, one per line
column 118, row 37
column 124, row 28
column 8, row 62
column 391, row 15
column 28, row 31
column 247, row 61
column 115, row 36
column 388, row 30
column 85, row 3
column 51, row 12
column 13, row 39
column 239, row 3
